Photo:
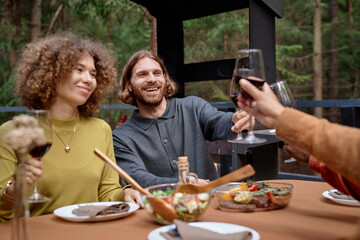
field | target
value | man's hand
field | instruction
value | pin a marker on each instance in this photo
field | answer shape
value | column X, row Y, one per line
column 241, row 121
column 133, row 196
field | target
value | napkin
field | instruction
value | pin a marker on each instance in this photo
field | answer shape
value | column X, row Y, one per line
column 116, row 208
column 90, row 210
column 188, row 232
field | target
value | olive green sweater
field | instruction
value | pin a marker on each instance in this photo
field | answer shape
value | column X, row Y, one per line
column 78, row 176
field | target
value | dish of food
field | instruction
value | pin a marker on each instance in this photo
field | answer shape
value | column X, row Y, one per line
column 253, row 196
column 349, row 201
column 218, row 227
column 68, row 214
column 187, row 206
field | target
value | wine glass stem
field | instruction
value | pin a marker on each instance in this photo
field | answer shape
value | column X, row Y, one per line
column 239, row 135
column 36, row 186
column 251, row 128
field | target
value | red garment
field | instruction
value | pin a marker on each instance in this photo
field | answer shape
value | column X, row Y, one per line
column 335, row 179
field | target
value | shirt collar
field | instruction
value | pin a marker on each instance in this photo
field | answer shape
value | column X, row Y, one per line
column 145, row 122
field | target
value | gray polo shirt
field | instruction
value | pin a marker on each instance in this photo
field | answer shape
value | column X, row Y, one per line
column 148, row 149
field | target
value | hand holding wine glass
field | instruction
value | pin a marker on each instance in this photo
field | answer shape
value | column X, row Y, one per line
column 266, row 106
column 249, row 65
column 38, row 151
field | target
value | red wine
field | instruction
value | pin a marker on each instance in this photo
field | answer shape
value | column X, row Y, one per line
column 233, row 97
column 256, row 83
column 39, row 151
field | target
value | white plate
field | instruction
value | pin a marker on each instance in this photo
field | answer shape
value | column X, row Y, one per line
column 212, row 226
column 66, row 212
column 341, row 201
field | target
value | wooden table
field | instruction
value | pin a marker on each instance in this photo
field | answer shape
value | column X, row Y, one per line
column 309, row 216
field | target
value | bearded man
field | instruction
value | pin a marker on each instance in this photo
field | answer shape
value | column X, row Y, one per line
column 163, row 128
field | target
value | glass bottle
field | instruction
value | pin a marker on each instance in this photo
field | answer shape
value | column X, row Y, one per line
column 184, row 173
column 21, row 211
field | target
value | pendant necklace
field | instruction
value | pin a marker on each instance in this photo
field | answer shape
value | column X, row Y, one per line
column 67, row 146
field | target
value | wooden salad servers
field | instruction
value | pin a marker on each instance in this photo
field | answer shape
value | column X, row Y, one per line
column 237, row 175
column 158, row 204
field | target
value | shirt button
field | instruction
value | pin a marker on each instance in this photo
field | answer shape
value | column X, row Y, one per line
column 174, row 161
column 165, row 140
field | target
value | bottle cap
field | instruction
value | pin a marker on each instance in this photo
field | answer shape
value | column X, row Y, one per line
column 183, row 159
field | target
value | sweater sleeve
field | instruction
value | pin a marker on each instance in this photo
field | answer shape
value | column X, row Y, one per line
column 215, row 124
column 8, row 163
column 335, row 145
column 109, row 187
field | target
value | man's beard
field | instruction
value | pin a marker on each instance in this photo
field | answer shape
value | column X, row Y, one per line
column 149, row 101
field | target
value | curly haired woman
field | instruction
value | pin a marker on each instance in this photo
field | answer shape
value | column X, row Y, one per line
column 68, row 76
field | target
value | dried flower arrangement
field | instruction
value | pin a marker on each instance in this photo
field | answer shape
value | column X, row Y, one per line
column 26, row 135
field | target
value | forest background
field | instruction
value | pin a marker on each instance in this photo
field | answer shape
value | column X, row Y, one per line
column 317, row 44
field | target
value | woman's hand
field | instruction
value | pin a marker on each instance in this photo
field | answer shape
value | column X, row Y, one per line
column 33, row 169
column 299, row 155
column 133, row 196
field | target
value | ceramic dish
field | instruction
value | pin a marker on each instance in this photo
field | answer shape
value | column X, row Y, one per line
column 341, row 201
column 66, row 212
column 218, row 227
column 255, row 196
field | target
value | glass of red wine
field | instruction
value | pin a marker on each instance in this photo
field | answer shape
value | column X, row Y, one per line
column 249, row 65
column 38, row 152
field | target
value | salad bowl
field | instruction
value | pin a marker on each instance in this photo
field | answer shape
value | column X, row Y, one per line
column 253, row 196
column 189, row 207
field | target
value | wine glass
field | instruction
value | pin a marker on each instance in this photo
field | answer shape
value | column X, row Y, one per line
column 283, row 93
column 249, row 65
column 38, row 152
column 234, row 93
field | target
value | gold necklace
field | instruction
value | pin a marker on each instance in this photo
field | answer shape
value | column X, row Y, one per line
column 67, row 146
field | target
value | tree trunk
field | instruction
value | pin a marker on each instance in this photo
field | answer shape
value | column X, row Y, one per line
column 54, row 19
column 226, row 45
column 109, row 27
column 63, row 19
column 333, row 60
column 317, row 59
column 13, row 10
column 35, row 31
column 154, row 35
column 350, row 10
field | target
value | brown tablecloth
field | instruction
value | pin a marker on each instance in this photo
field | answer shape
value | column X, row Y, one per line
column 309, row 216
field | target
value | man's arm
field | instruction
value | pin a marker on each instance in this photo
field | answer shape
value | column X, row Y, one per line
column 215, row 124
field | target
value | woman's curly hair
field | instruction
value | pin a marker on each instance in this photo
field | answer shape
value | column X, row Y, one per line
column 45, row 62
column 128, row 97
